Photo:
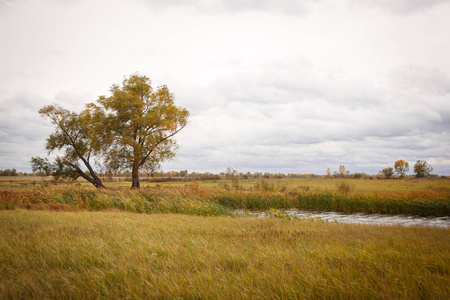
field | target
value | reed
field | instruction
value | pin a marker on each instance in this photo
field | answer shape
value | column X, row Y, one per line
column 431, row 203
column 194, row 200
column 423, row 204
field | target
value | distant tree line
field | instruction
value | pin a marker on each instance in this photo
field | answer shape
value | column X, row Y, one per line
column 8, row 172
column 421, row 169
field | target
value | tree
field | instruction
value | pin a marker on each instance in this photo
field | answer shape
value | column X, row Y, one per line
column 422, row 169
column 73, row 135
column 41, row 166
column 401, row 167
column 8, row 172
column 135, row 125
column 343, row 172
column 387, row 172
column 233, row 175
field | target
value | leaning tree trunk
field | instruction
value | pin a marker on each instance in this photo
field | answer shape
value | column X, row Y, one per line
column 135, row 184
column 95, row 180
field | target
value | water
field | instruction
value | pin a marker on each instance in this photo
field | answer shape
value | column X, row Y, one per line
column 359, row 218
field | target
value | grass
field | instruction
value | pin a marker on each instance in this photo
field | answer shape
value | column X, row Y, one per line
column 29, row 183
column 123, row 255
column 196, row 199
column 184, row 241
column 138, row 201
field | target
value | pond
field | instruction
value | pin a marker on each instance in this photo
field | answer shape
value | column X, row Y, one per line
column 359, row 218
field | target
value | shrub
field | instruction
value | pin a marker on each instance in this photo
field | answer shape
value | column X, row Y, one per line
column 344, row 187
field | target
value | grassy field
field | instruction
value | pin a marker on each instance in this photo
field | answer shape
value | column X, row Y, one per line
column 28, row 183
column 183, row 240
column 112, row 255
column 408, row 197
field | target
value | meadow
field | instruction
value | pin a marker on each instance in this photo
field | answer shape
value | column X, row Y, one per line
column 28, row 183
column 113, row 255
column 184, row 240
column 407, row 197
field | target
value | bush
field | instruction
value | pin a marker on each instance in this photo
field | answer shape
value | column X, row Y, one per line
column 344, row 187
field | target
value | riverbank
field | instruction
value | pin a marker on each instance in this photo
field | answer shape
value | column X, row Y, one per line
column 193, row 199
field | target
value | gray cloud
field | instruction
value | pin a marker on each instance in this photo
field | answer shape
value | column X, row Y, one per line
column 22, row 131
column 290, row 121
column 400, row 6
column 417, row 79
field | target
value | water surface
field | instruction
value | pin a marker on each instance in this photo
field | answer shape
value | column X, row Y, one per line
column 359, row 218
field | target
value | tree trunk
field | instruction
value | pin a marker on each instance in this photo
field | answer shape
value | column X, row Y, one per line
column 98, row 183
column 135, row 184
column 95, row 180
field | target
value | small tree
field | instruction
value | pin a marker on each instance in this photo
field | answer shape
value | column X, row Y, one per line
column 401, row 167
column 343, row 172
column 233, row 175
column 387, row 172
column 41, row 166
column 422, row 169
column 73, row 135
column 135, row 125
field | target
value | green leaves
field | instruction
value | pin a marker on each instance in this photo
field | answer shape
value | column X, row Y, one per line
column 422, row 169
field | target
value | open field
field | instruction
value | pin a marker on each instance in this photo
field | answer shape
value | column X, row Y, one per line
column 27, row 183
column 407, row 197
column 123, row 255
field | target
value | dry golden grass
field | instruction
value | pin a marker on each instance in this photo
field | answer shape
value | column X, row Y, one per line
column 112, row 255
column 28, row 183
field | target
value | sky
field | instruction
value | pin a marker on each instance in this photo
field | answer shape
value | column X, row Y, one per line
column 271, row 85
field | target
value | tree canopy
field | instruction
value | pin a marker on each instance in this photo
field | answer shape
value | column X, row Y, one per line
column 131, row 129
column 401, row 167
column 73, row 135
column 135, row 125
column 422, row 169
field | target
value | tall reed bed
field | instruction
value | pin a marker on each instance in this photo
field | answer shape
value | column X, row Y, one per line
column 143, row 201
column 194, row 200
column 424, row 204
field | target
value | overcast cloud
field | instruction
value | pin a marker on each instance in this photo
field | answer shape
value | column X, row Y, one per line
column 278, row 86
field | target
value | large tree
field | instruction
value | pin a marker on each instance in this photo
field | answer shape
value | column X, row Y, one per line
column 72, row 134
column 135, row 125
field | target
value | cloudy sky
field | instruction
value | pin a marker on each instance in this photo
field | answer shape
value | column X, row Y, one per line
column 272, row 85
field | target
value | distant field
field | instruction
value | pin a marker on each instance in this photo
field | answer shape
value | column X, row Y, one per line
column 116, row 255
column 27, row 183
